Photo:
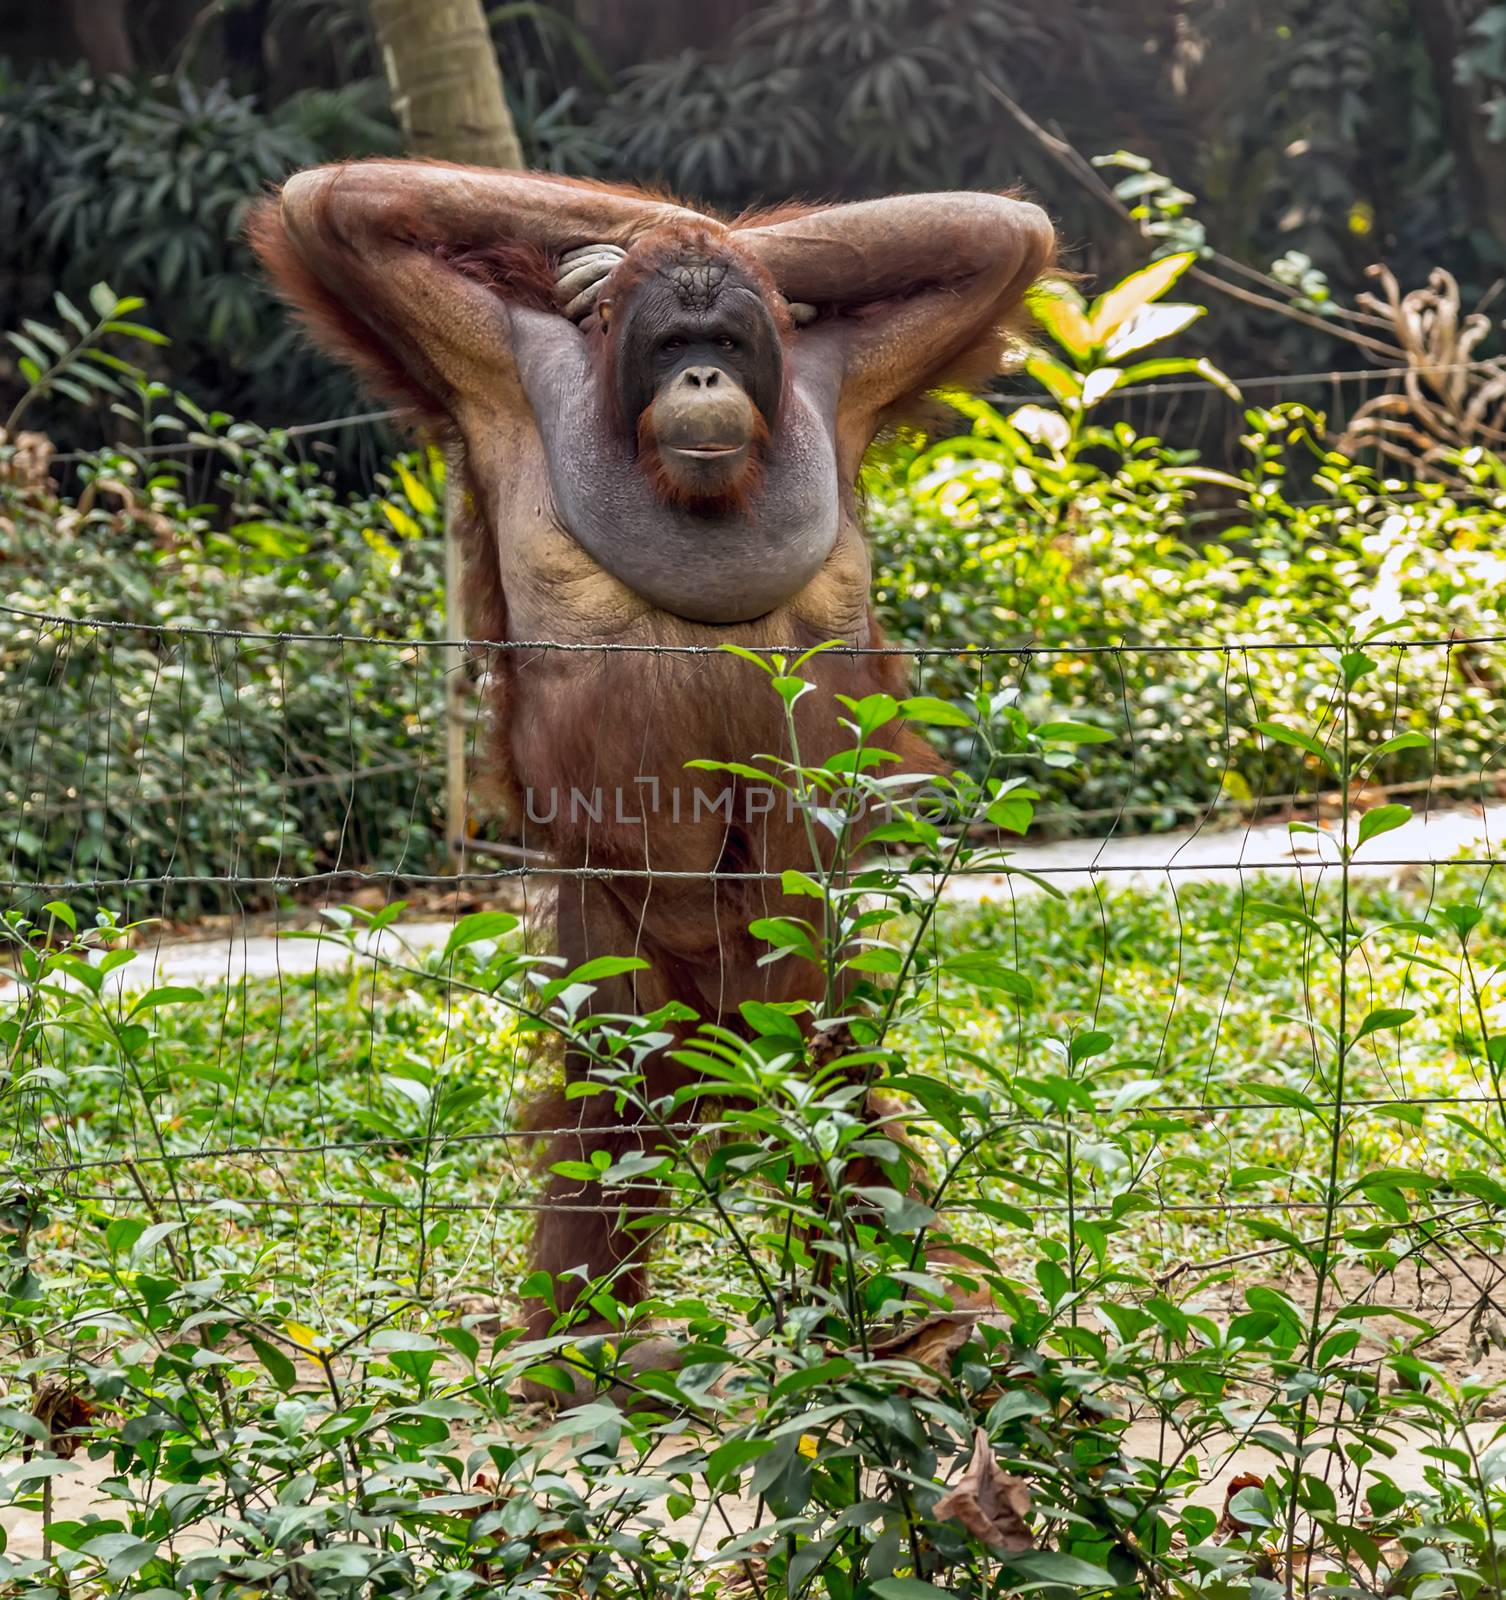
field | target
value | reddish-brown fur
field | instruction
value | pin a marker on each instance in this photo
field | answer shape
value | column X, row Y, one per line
column 518, row 272
column 675, row 493
column 331, row 323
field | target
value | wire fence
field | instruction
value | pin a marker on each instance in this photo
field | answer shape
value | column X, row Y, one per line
column 1236, row 1029
column 93, row 822
column 336, row 1128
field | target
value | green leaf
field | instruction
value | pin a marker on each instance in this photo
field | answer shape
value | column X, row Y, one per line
column 137, row 330
column 934, row 713
column 607, row 967
column 769, row 1022
column 985, row 971
column 785, row 934
column 479, row 925
column 1113, row 309
column 284, row 1374
column 166, row 995
column 1385, row 1018
column 793, row 882
column 907, row 1589
column 763, row 663
column 1355, row 664
column 1401, row 741
column 1059, row 310
column 1060, row 382
column 1098, row 383
column 1072, row 733
column 1013, row 812
column 729, row 1458
column 1218, row 378
column 1150, row 325
column 1382, row 819
column 1051, row 1566
column 1299, row 741
column 70, row 312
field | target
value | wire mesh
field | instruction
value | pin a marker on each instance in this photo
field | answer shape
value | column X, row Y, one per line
column 120, row 798
column 222, row 789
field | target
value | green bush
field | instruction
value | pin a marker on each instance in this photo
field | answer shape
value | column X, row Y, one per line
column 135, row 753
column 147, row 185
column 996, row 540
column 1011, row 1329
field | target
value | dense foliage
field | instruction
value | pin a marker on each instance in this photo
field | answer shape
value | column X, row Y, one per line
column 1080, row 549
column 1183, row 1211
column 1320, row 137
column 147, row 186
column 1155, row 1178
column 130, row 752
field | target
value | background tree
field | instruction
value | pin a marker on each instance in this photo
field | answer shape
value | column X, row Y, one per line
column 103, row 40
column 1317, row 135
column 446, row 85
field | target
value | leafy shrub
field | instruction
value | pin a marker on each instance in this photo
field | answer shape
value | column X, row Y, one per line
column 129, row 753
column 1049, row 531
column 146, row 185
column 964, row 561
column 968, row 1345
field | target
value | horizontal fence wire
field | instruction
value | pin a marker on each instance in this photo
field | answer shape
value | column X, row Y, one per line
column 1024, row 651
column 689, row 1131
column 351, row 875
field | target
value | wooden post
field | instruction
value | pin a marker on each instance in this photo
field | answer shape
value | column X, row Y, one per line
column 457, row 698
column 448, row 98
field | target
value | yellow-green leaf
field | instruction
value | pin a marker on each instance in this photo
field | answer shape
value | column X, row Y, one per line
column 1063, row 384
column 1113, row 309
column 401, row 521
column 416, row 490
column 306, row 1338
column 1059, row 310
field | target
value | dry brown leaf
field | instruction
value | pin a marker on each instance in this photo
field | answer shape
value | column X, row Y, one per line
column 932, row 1342
column 65, row 1414
column 990, row 1503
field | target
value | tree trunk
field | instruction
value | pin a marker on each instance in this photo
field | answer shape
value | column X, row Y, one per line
column 100, row 28
column 445, row 82
column 447, row 95
column 1480, row 162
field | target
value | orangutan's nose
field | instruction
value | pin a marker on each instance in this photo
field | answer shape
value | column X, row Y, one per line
column 701, row 377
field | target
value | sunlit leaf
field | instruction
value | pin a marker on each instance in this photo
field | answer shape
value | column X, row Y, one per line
column 1111, row 310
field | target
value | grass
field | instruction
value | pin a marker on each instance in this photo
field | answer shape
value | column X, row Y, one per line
column 310, row 1309
column 1206, row 1012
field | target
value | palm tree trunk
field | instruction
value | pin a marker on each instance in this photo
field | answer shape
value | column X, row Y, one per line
column 447, row 95
column 446, row 85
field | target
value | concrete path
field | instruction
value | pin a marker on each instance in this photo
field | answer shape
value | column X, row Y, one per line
column 1189, row 855
column 1230, row 855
